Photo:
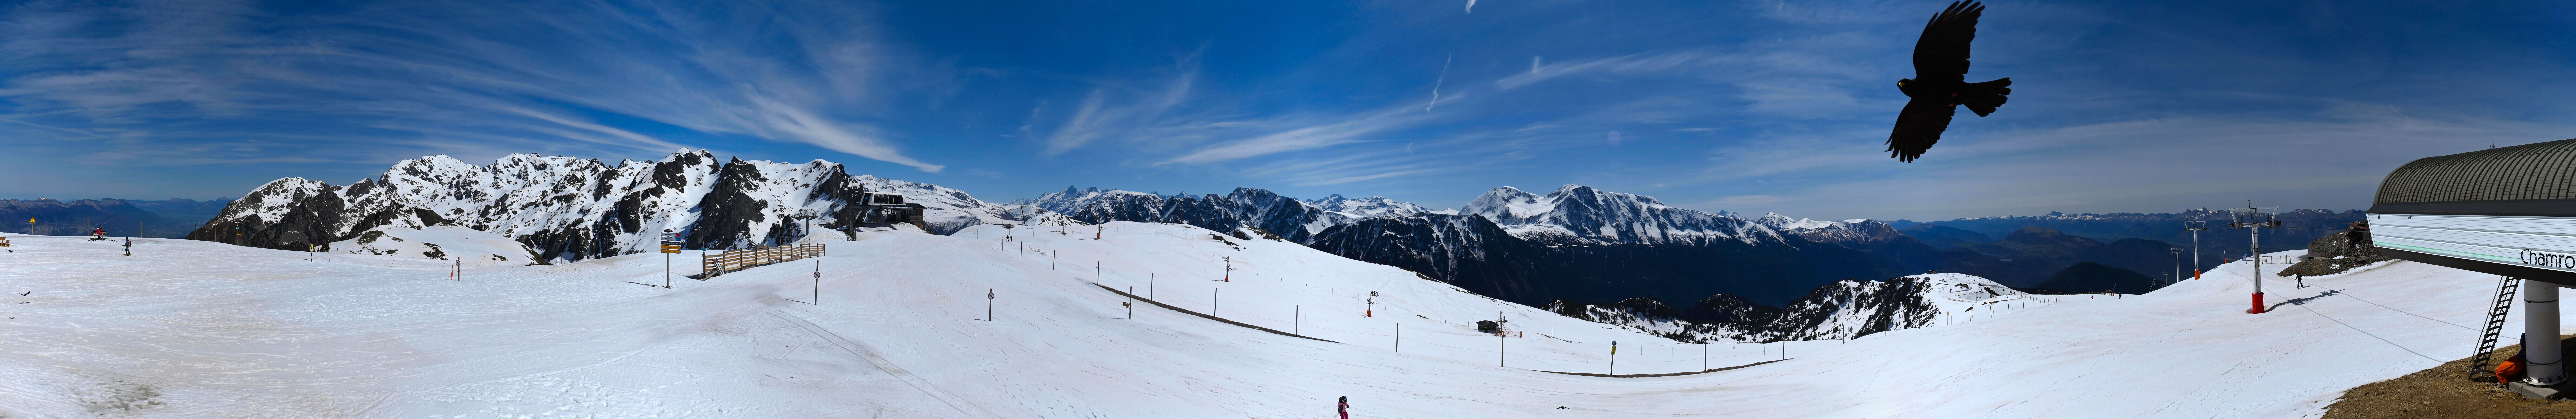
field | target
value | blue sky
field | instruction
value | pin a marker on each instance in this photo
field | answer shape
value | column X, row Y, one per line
column 1719, row 105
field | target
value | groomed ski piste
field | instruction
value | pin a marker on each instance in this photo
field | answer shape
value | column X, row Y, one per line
column 200, row 329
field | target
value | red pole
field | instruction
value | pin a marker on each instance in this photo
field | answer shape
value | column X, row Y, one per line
column 2258, row 305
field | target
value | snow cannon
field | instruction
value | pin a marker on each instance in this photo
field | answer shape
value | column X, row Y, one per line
column 2508, row 211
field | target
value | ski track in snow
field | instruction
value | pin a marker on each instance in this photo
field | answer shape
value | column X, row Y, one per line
column 199, row 329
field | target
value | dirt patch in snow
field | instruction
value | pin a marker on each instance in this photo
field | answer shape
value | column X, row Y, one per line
column 2446, row 392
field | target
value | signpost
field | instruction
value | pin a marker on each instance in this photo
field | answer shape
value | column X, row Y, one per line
column 671, row 244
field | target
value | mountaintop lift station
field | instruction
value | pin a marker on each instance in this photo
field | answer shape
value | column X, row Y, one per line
column 2507, row 211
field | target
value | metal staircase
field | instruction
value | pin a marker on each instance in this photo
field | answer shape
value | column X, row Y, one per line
column 2505, row 288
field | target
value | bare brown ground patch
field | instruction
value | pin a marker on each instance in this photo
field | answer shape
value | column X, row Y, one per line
column 2446, row 392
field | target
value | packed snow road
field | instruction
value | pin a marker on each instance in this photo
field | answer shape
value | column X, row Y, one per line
column 198, row 329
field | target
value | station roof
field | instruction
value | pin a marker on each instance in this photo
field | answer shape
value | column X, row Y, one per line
column 2536, row 179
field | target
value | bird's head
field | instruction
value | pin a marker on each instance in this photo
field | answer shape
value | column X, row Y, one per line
column 1905, row 85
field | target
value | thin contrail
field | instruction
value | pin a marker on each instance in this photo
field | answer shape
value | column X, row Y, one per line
column 1444, row 76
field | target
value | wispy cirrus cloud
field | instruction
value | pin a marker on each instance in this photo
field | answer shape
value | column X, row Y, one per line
column 387, row 70
column 1347, row 130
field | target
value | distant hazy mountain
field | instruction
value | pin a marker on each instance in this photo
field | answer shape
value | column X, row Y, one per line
column 2095, row 277
column 121, row 217
column 2218, row 243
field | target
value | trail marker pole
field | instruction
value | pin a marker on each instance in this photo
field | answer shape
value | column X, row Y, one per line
column 1213, row 293
column 1095, row 272
column 1149, row 286
column 988, row 304
column 1297, row 320
column 1229, row 269
column 1784, row 349
column 1131, row 303
column 818, row 282
column 1614, row 358
column 1703, row 356
column 1399, row 338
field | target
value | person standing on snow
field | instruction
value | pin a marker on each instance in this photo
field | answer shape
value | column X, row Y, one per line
column 1344, row 408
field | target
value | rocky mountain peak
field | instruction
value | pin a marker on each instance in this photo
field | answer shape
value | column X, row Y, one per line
column 570, row 208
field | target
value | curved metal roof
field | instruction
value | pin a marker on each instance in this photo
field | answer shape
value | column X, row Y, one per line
column 2531, row 179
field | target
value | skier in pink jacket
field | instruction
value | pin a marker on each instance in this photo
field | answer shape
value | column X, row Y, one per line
column 1344, row 408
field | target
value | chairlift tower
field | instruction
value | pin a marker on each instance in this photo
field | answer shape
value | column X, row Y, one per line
column 2177, row 252
column 2195, row 227
column 2254, row 220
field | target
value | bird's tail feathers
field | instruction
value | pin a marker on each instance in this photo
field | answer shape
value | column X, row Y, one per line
column 1982, row 98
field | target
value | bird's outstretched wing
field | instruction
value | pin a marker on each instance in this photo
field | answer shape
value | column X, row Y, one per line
column 1942, row 52
column 1917, row 127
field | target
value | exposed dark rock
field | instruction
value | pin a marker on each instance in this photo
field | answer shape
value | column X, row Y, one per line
column 265, row 216
column 2336, row 253
column 726, row 216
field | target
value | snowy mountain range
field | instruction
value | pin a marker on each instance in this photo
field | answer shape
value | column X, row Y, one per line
column 1575, row 243
column 1840, row 310
column 566, row 208
column 1297, row 220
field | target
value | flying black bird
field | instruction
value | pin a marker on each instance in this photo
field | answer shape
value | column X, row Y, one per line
column 1940, row 82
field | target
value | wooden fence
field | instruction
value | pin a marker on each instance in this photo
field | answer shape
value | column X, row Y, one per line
column 720, row 262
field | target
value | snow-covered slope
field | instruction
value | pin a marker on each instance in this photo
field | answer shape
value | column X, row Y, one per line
column 570, row 209
column 896, row 334
column 262, row 333
column 465, row 245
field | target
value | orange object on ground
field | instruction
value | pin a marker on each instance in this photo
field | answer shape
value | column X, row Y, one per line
column 2511, row 368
